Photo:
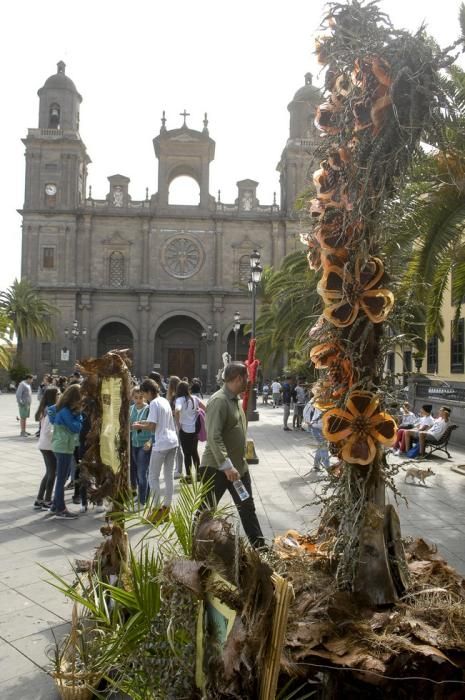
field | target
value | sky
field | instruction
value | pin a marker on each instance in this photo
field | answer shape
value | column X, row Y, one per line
column 241, row 62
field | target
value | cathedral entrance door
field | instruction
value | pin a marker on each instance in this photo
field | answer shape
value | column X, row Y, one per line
column 181, row 362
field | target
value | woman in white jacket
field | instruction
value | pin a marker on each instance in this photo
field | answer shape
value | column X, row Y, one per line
column 44, row 496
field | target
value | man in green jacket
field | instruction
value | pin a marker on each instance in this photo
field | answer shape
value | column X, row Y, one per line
column 223, row 460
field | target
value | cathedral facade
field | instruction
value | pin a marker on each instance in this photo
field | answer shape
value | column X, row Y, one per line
column 161, row 279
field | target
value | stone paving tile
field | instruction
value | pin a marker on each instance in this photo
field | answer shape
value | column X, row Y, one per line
column 34, row 618
column 13, row 664
column 35, row 685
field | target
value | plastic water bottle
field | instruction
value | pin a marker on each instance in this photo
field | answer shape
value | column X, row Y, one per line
column 241, row 490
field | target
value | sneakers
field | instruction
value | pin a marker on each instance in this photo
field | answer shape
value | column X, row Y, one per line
column 83, row 508
column 38, row 505
column 24, row 434
column 66, row 515
column 46, row 505
column 286, row 428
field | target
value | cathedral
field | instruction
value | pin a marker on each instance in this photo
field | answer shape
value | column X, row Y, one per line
column 160, row 278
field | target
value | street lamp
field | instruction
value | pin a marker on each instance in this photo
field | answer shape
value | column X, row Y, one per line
column 256, row 271
column 236, row 328
column 75, row 333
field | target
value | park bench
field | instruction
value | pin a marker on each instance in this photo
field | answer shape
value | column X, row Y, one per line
column 441, row 444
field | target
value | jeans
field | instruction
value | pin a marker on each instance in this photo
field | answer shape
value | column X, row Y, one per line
column 63, row 465
column 287, row 410
column 189, row 444
column 246, row 509
column 321, row 456
column 46, row 485
column 140, row 460
column 165, row 459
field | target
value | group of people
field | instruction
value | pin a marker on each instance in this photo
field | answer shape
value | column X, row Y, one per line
column 420, row 430
column 24, row 394
column 289, row 393
column 165, row 432
column 170, row 423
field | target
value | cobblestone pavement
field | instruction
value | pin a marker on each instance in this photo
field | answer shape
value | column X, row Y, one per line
column 32, row 611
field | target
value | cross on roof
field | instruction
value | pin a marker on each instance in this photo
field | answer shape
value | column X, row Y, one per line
column 184, row 114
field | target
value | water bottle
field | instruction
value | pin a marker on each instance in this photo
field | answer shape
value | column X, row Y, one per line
column 241, row 490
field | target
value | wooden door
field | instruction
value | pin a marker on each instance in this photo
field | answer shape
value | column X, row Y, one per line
column 181, row 362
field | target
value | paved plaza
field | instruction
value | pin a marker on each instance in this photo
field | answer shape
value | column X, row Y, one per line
column 31, row 610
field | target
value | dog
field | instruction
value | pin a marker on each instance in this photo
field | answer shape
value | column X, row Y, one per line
column 420, row 474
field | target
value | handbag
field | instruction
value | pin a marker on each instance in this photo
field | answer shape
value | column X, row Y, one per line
column 414, row 451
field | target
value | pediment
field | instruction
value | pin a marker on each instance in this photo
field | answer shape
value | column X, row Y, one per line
column 117, row 240
column 247, row 244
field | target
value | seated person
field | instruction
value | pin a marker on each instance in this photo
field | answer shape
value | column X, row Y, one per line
column 425, row 422
column 432, row 435
column 407, row 418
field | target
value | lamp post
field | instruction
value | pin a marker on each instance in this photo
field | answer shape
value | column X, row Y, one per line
column 256, row 271
column 209, row 335
column 75, row 334
column 236, row 328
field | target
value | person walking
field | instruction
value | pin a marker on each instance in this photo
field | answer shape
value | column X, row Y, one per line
column 67, row 421
column 223, row 462
column 276, row 392
column 44, row 495
column 161, row 422
column 265, row 393
column 196, row 387
column 141, row 445
column 299, row 397
column 186, row 412
column 171, row 397
column 24, row 399
column 287, row 398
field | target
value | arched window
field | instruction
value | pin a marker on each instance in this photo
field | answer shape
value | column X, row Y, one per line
column 54, row 116
column 116, row 272
column 184, row 190
column 244, row 269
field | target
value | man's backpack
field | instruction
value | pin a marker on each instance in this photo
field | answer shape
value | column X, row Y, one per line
column 200, row 428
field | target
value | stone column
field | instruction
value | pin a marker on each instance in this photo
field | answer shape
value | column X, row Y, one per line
column 217, row 348
column 218, row 272
column 141, row 353
column 145, row 251
column 85, row 307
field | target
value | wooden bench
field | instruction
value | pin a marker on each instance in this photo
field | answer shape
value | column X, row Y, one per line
column 441, row 444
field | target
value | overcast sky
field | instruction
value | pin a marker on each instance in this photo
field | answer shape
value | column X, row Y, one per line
column 241, row 62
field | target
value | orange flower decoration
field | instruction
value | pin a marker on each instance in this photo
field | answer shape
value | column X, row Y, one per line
column 345, row 294
column 328, row 118
column 332, row 237
column 340, row 376
column 361, row 425
column 324, row 354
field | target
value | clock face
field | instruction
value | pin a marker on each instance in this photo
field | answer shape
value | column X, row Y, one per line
column 50, row 190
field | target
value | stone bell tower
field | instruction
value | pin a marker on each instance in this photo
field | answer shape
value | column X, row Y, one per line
column 56, row 157
column 296, row 159
column 184, row 151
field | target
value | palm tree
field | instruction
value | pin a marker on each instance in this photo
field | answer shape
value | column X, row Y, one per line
column 438, row 220
column 289, row 307
column 26, row 314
